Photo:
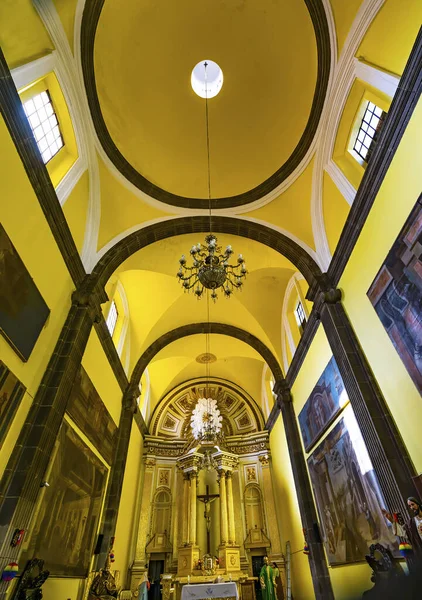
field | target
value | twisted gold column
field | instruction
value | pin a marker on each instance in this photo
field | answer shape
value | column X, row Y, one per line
column 223, row 509
column 192, row 524
column 230, row 508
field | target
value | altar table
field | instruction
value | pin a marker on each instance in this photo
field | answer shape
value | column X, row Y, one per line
column 203, row 591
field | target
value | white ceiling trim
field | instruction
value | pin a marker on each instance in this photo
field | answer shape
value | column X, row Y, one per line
column 345, row 74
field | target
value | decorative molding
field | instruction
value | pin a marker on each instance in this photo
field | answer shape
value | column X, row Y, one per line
column 126, row 318
column 30, row 72
column 343, row 184
column 68, row 182
column 383, row 81
column 72, row 87
column 285, row 325
column 336, row 98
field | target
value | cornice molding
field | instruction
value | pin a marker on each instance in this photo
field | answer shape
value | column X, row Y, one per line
column 340, row 180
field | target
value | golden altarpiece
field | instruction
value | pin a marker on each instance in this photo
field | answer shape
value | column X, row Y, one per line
column 206, row 505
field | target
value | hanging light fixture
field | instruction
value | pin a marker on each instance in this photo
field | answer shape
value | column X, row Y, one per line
column 211, row 269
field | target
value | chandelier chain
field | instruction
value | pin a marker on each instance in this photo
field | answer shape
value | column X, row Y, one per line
column 208, row 146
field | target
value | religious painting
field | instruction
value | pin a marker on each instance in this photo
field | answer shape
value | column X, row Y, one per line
column 323, row 405
column 11, row 394
column 348, row 495
column 69, row 510
column 396, row 294
column 89, row 413
column 23, row 312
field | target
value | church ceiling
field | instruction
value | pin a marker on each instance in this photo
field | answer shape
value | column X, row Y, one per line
column 137, row 63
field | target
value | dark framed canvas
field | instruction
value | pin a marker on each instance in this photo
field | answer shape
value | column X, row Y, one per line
column 348, row 496
column 89, row 413
column 23, row 312
column 11, row 394
column 396, row 294
column 323, row 405
column 69, row 509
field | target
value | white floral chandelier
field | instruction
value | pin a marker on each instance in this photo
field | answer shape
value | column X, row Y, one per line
column 206, row 420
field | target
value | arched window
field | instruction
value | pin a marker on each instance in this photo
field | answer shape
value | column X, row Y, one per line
column 253, row 508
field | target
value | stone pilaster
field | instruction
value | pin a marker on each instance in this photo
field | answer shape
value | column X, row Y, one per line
column 144, row 517
column 30, row 458
column 224, row 534
column 385, row 446
column 192, row 523
column 186, row 508
column 272, row 523
column 230, row 509
column 318, row 565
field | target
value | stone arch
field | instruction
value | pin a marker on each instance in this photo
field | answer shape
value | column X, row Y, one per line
column 142, row 238
column 193, row 329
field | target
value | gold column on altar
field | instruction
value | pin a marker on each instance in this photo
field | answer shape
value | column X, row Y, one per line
column 230, row 509
column 192, row 524
column 223, row 509
column 185, row 509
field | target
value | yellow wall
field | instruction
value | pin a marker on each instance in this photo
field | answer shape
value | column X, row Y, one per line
column 126, row 522
column 397, row 196
column 344, row 14
column 22, row 34
column 335, row 210
column 392, row 34
column 24, row 222
column 75, row 210
column 66, row 11
column 287, row 506
column 96, row 364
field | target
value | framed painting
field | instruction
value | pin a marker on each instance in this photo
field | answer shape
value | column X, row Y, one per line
column 11, row 394
column 396, row 294
column 23, row 312
column 348, row 496
column 69, row 510
column 323, row 405
column 88, row 411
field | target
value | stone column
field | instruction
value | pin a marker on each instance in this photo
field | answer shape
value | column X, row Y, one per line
column 223, row 509
column 185, row 508
column 383, row 441
column 192, row 523
column 20, row 484
column 319, row 570
column 230, row 508
column 144, row 517
column 114, row 489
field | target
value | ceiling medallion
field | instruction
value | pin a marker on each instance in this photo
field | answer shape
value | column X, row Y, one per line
column 206, row 358
column 211, row 269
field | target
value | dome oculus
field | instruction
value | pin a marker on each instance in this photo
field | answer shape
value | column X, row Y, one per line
column 206, row 79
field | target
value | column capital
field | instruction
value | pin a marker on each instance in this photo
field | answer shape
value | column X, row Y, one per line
column 283, row 393
column 130, row 401
column 228, row 474
column 264, row 459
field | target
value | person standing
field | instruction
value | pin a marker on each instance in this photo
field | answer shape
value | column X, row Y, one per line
column 278, row 584
column 266, row 579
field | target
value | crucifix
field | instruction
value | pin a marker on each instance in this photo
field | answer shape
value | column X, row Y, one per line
column 207, row 499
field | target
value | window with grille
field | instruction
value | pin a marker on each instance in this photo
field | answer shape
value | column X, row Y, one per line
column 44, row 125
column 300, row 316
column 369, row 128
column 112, row 318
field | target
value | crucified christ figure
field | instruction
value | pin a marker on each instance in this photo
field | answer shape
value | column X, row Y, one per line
column 207, row 499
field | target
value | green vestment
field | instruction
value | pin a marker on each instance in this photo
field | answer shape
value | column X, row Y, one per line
column 266, row 578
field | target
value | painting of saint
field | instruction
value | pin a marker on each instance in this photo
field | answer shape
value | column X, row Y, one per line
column 11, row 394
column 396, row 294
column 325, row 402
column 348, row 495
column 23, row 312
column 69, row 509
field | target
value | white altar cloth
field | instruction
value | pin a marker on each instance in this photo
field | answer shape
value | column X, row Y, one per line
column 201, row 591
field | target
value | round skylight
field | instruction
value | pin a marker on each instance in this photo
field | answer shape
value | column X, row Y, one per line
column 207, row 80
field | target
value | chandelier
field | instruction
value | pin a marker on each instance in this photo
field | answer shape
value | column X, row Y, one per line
column 206, row 420
column 211, row 268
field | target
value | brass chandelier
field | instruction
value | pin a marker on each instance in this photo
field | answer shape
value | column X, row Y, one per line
column 211, row 269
